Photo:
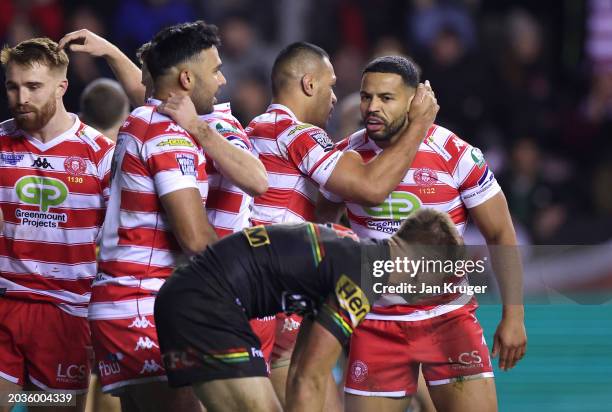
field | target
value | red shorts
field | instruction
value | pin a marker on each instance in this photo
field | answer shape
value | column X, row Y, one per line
column 385, row 355
column 287, row 328
column 265, row 329
column 127, row 352
column 43, row 345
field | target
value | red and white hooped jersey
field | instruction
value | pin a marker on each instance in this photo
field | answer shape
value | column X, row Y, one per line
column 53, row 196
column 227, row 206
column 154, row 157
column 447, row 174
column 298, row 157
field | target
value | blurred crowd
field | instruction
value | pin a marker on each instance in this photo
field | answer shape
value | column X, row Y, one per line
column 528, row 82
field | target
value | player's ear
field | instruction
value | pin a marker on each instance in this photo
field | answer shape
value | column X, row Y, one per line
column 61, row 88
column 308, row 84
column 186, row 79
column 411, row 93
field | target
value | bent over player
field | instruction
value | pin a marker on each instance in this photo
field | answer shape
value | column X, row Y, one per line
column 202, row 311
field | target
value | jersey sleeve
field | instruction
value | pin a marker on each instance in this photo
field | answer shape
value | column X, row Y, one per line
column 234, row 134
column 331, row 318
column 475, row 181
column 104, row 170
column 311, row 151
column 173, row 161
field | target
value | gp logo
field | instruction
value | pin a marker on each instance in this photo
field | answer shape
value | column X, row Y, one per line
column 42, row 191
column 397, row 206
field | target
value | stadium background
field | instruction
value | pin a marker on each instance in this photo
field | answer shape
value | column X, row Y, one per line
column 529, row 82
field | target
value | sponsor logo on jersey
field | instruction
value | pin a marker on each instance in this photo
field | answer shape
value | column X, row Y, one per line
column 175, row 360
column 298, row 128
column 150, row 366
column 42, row 164
column 108, row 368
column 359, row 371
column 176, row 142
column 75, row 166
column 141, row 322
column 477, row 157
column 323, row 140
column 352, row 299
column 396, row 207
column 43, row 192
column 172, row 127
column 458, row 143
column 145, row 343
column 257, row 236
column 438, row 149
column 11, row 158
column 425, row 177
column 486, row 177
column 256, row 353
column 186, row 163
column 237, row 141
column 71, row 373
column 224, row 128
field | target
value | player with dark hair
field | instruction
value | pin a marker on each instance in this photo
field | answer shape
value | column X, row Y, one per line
column 105, row 106
column 202, row 312
column 54, row 171
column 399, row 337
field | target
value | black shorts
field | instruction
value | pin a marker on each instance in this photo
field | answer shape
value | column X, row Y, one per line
column 203, row 331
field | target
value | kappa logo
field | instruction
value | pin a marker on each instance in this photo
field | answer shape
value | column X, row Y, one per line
column 172, row 127
column 141, row 322
column 458, row 143
column 352, row 299
column 145, row 343
column 257, row 236
column 150, row 366
column 42, row 164
column 41, row 191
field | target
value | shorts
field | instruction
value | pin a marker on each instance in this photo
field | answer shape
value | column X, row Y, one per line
column 265, row 329
column 126, row 352
column 385, row 355
column 204, row 333
column 287, row 328
column 43, row 345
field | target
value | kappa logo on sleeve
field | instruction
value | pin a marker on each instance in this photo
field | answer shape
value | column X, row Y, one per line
column 352, row 299
column 257, row 236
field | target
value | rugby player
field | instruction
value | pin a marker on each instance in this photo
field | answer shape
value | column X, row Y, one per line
column 202, row 311
column 443, row 337
column 54, row 179
column 157, row 214
column 300, row 158
column 228, row 205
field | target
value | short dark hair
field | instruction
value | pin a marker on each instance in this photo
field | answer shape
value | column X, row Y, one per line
column 103, row 103
column 175, row 44
column 41, row 50
column 297, row 50
column 429, row 227
column 405, row 67
column 141, row 53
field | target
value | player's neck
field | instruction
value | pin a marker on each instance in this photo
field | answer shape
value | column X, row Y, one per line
column 299, row 109
column 59, row 123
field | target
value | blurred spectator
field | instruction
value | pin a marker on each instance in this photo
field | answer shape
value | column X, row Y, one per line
column 242, row 53
column 138, row 20
column 347, row 117
column 348, row 63
column 46, row 17
column 104, row 106
column 251, row 97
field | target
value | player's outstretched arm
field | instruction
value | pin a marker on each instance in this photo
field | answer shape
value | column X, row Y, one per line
column 188, row 220
column 370, row 183
column 126, row 72
column 315, row 354
column 493, row 219
column 241, row 167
